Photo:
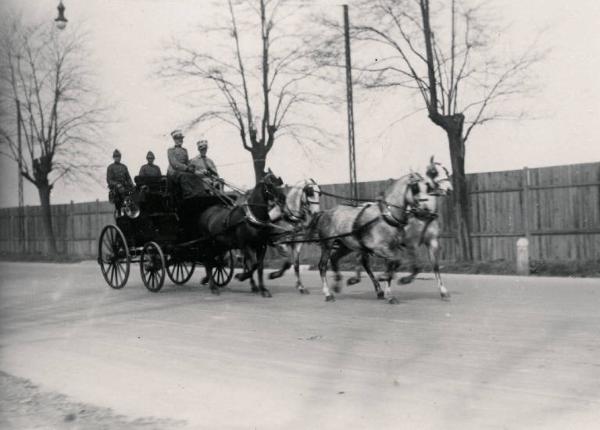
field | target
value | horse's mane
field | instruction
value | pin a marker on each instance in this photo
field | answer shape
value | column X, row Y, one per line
column 294, row 195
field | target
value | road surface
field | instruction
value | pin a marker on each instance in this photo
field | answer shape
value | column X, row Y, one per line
column 505, row 353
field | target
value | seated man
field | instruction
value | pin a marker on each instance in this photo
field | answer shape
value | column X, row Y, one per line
column 205, row 167
column 118, row 179
column 180, row 172
column 150, row 169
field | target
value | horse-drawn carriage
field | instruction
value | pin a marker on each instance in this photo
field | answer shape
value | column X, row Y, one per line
column 158, row 231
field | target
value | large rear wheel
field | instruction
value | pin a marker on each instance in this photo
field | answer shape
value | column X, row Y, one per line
column 222, row 271
column 152, row 267
column 113, row 256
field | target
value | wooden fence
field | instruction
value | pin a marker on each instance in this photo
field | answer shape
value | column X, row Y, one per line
column 556, row 208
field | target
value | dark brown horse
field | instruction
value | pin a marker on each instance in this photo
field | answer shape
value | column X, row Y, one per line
column 246, row 227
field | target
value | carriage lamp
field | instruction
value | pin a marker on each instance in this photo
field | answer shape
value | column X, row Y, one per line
column 61, row 21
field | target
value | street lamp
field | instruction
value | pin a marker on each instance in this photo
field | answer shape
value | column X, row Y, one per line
column 61, row 21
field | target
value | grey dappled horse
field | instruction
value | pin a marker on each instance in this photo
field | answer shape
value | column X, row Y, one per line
column 302, row 203
column 422, row 227
column 380, row 228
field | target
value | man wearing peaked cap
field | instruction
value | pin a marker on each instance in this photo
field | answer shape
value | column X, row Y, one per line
column 118, row 179
column 150, row 169
column 180, row 172
column 178, row 156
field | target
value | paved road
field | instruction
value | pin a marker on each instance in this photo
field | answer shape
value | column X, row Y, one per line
column 505, row 353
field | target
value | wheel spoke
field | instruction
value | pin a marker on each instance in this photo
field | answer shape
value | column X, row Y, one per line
column 112, row 274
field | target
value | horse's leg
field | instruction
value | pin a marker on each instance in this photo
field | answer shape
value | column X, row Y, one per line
column 211, row 282
column 296, row 248
column 387, row 278
column 283, row 250
column 434, row 252
column 260, row 259
column 325, row 254
column 366, row 263
column 335, row 258
column 415, row 269
column 357, row 273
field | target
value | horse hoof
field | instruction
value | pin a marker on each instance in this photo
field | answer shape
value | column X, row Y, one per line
column 329, row 298
column 303, row 291
column 215, row 291
column 275, row 275
column 205, row 280
column 239, row 276
column 446, row 297
column 393, row 301
column 352, row 281
column 266, row 293
column 380, row 295
column 405, row 280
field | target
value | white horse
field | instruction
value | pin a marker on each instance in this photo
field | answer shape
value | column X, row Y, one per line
column 381, row 228
column 422, row 226
column 302, row 203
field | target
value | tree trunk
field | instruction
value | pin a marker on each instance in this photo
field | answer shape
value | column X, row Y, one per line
column 259, row 158
column 44, row 193
column 461, row 197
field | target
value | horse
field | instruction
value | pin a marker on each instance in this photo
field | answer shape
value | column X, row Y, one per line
column 302, row 203
column 422, row 227
column 376, row 228
column 245, row 227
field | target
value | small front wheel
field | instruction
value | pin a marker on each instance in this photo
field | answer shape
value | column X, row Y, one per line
column 180, row 271
column 222, row 271
column 152, row 267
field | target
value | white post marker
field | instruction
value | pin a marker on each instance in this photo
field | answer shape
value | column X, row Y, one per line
column 523, row 256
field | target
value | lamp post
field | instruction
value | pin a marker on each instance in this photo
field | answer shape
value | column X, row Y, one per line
column 61, row 21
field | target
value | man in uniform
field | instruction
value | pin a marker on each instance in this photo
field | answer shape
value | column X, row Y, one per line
column 150, row 169
column 180, row 172
column 118, row 179
column 204, row 166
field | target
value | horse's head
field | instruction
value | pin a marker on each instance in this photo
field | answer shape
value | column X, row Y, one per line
column 272, row 185
column 311, row 196
column 438, row 179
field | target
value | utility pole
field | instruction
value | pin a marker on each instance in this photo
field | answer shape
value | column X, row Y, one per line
column 21, row 215
column 351, row 150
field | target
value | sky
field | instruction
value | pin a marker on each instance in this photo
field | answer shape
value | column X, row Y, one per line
column 127, row 38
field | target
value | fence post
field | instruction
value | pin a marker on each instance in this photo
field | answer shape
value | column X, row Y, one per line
column 71, row 248
column 526, row 209
column 96, row 229
column 522, row 257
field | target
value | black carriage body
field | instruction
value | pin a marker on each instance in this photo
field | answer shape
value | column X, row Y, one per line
column 163, row 237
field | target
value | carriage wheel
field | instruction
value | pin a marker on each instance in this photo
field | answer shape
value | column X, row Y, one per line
column 180, row 271
column 113, row 256
column 222, row 271
column 152, row 267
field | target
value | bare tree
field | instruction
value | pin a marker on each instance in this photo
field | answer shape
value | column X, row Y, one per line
column 45, row 86
column 266, row 92
column 448, row 55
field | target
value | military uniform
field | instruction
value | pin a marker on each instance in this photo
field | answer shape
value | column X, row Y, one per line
column 150, row 170
column 119, row 181
column 178, row 160
column 204, row 163
column 117, row 175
